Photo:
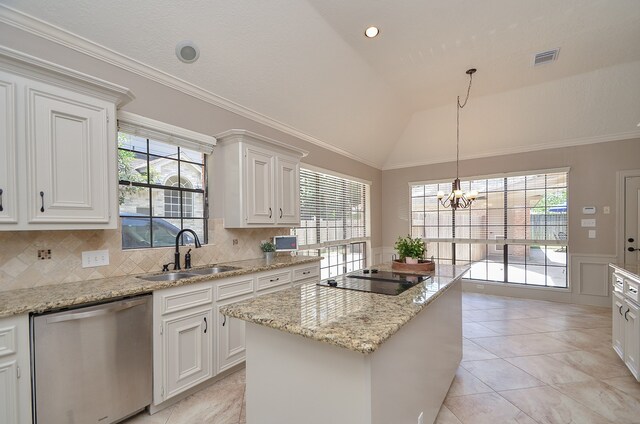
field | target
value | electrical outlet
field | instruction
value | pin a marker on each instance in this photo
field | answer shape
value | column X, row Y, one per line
column 95, row 258
column 421, row 418
column 480, row 286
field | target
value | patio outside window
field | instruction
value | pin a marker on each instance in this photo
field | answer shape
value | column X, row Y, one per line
column 514, row 232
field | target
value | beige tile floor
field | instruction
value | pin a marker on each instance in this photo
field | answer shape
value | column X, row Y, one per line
column 524, row 361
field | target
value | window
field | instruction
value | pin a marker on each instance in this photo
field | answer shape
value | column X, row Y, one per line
column 334, row 221
column 163, row 189
column 514, row 232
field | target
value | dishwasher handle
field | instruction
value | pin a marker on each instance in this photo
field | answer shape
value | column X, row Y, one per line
column 98, row 312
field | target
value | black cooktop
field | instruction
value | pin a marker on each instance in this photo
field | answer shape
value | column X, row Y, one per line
column 374, row 281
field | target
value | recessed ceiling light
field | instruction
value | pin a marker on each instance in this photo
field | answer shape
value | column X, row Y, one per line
column 187, row 51
column 371, row 31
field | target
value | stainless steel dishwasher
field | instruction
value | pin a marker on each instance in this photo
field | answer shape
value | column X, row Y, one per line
column 92, row 364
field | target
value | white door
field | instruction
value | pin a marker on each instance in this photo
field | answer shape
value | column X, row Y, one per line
column 231, row 337
column 8, row 393
column 8, row 190
column 617, row 336
column 259, row 187
column 188, row 348
column 288, row 184
column 632, row 220
column 68, row 155
column 632, row 339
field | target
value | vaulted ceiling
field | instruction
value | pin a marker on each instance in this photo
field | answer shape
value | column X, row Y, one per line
column 390, row 101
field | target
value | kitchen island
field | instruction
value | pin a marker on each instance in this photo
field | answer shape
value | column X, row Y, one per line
column 327, row 355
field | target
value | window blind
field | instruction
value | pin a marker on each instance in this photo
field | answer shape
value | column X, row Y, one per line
column 517, row 209
column 332, row 210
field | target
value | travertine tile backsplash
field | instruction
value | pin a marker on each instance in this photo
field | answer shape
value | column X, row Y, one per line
column 20, row 266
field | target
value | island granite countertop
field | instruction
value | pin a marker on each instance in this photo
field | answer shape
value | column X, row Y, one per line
column 56, row 296
column 358, row 321
column 632, row 269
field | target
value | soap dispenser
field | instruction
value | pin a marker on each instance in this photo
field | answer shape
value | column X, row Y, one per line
column 187, row 259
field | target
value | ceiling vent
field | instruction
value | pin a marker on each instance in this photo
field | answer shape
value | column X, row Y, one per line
column 545, row 57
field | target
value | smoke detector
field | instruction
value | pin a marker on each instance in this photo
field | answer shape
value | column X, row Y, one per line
column 545, row 57
column 187, row 51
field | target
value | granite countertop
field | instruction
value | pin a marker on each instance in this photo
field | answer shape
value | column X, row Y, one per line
column 45, row 298
column 629, row 268
column 358, row 321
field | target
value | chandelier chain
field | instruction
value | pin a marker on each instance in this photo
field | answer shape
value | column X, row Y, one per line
column 460, row 106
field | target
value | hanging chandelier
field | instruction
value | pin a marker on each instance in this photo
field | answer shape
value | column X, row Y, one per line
column 457, row 198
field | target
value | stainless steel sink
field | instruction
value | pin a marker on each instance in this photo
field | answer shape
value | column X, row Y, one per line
column 212, row 270
column 173, row 276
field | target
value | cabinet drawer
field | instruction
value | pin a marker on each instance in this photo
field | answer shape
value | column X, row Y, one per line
column 631, row 289
column 7, row 340
column 306, row 272
column 234, row 287
column 181, row 298
column 273, row 280
column 618, row 282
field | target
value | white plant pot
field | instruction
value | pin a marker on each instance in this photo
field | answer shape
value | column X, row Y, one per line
column 412, row 261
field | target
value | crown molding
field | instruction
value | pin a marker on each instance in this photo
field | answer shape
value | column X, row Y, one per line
column 524, row 149
column 55, row 34
column 241, row 135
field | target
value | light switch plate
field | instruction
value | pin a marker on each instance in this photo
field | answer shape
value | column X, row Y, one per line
column 93, row 258
column 606, row 210
column 592, row 234
column 589, row 210
column 588, row 222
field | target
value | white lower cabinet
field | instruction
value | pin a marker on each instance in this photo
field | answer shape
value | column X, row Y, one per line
column 625, row 334
column 15, row 374
column 193, row 341
column 617, row 334
column 183, row 339
column 230, row 331
column 632, row 339
column 188, row 351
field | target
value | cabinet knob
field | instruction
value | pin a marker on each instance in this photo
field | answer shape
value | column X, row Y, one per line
column 630, row 239
column 632, row 249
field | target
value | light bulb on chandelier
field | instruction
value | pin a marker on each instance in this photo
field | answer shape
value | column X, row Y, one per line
column 457, row 198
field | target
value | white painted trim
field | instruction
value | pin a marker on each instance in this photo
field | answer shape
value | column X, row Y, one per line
column 524, row 149
column 85, row 46
column 239, row 135
column 25, row 64
column 621, row 176
column 566, row 169
column 190, row 138
column 334, row 173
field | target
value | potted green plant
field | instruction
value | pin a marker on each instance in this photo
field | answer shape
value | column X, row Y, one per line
column 410, row 249
column 269, row 250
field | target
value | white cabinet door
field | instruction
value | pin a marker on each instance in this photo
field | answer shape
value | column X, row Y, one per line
column 188, row 351
column 288, row 187
column 8, row 158
column 68, row 149
column 8, row 392
column 230, row 337
column 15, row 374
column 617, row 336
column 259, row 193
column 632, row 339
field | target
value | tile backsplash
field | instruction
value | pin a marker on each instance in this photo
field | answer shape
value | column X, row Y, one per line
column 20, row 266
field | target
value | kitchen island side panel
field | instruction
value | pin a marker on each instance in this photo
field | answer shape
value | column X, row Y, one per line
column 292, row 379
column 411, row 373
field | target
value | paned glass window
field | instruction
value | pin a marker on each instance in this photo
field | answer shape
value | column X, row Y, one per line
column 514, row 232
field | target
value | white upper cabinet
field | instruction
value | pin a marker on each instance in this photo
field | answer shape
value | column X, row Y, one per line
column 8, row 189
column 58, row 140
column 261, row 181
